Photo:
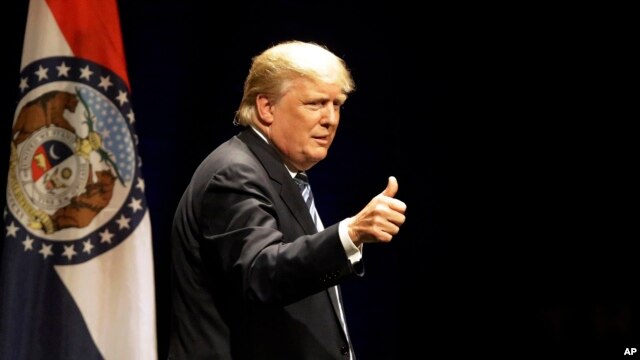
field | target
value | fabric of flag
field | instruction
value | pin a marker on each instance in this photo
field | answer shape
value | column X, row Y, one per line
column 76, row 273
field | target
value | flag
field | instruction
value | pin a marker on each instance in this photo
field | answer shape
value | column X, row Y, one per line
column 76, row 272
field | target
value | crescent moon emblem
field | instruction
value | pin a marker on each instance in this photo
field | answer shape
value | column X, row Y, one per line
column 53, row 155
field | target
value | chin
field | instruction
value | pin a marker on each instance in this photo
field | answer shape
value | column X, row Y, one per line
column 319, row 156
column 311, row 161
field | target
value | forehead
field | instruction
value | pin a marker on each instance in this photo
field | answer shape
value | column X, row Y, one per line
column 304, row 87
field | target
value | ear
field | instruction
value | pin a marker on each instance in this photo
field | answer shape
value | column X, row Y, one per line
column 264, row 106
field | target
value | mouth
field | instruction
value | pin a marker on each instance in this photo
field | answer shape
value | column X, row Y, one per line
column 322, row 140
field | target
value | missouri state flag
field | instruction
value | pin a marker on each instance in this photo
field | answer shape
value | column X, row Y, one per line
column 76, row 272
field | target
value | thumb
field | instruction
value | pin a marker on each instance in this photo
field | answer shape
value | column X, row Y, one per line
column 392, row 187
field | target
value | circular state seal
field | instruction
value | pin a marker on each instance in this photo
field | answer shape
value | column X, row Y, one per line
column 74, row 187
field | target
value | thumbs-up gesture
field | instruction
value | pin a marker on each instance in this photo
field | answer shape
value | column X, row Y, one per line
column 380, row 220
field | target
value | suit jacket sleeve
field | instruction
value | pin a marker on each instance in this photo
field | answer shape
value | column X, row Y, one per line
column 251, row 236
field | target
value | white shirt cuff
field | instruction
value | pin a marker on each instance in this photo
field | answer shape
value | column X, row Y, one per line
column 353, row 252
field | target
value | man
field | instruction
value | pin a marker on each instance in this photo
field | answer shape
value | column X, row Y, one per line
column 254, row 269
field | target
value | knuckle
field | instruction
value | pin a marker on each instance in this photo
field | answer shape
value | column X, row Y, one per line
column 380, row 207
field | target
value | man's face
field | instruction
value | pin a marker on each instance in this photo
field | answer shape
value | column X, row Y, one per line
column 305, row 121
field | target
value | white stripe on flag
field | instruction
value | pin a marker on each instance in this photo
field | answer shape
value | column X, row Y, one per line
column 113, row 292
column 42, row 37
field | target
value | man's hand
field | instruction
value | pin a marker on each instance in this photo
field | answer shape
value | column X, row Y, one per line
column 380, row 220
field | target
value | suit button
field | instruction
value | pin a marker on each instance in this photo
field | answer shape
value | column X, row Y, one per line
column 344, row 349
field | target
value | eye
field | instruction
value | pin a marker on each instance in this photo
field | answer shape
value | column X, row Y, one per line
column 315, row 104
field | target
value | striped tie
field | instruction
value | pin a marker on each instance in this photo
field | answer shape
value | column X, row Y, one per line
column 302, row 181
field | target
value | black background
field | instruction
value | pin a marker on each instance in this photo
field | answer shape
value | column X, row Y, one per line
column 506, row 130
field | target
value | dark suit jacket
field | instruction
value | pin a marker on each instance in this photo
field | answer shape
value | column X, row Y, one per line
column 250, row 271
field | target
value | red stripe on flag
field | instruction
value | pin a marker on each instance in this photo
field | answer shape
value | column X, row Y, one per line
column 92, row 29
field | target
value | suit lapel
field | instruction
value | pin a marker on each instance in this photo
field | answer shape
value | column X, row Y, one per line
column 289, row 191
column 291, row 196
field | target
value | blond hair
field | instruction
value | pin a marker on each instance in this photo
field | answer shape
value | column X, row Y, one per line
column 273, row 70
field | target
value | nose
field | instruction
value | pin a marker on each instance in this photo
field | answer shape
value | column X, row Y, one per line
column 330, row 115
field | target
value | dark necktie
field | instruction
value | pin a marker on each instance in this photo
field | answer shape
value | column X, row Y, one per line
column 302, row 181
